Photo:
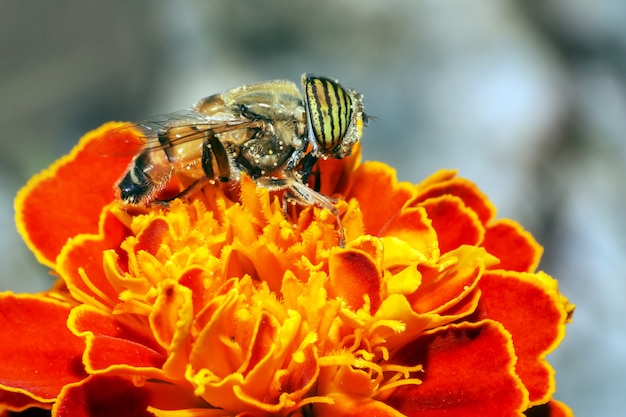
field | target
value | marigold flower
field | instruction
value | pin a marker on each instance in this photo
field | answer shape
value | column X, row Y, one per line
column 220, row 306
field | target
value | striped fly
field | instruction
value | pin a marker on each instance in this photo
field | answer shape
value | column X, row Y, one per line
column 270, row 131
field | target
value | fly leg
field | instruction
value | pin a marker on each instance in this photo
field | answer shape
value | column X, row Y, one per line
column 300, row 193
column 196, row 186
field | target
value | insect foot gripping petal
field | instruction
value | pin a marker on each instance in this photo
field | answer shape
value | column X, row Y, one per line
column 302, row 194
column 299, row 193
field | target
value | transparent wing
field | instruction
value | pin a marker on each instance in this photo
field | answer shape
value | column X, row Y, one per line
column 167, row 130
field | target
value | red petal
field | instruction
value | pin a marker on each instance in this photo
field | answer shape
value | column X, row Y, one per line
column 193, row 279
column 152, row 236
column 442, row 183
column 113, row 343
column 301, row 374
column 535, row 317
column 455, row 224
column 80, row 183
column 413, row 227
column 380, row 195
column 39, row 354
column 468, row 371
column 515, row 247
column 353, row 406
column 336, row 174
column 80, row 263
column 442, row 288
column 17, row 401
column 352, row 275
column 103, row 396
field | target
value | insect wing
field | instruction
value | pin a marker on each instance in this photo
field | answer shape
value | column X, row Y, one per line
column 163, row 131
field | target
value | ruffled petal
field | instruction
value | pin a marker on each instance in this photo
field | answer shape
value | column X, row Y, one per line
column 354, row 275
column 381, row 196
column 103, row 396
column 18, row 401
column 171, row 322
column 111, row 395
column 355, row 406
column 469, row 370
column 80, row 263
column 456, row 223
column 446, row 182
column 516, row 248
column 39, row 354
column 220, row 304
column 453, row 279
column 532, row 310
column 67, row 198
column 113, row 344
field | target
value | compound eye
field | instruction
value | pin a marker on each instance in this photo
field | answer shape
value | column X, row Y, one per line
column 330, row 111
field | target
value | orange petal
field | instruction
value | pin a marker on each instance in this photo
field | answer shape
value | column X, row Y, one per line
column 355, row 406
column 441, row 288
column 103, row 395
column 112, row 343
column 353, row 274
column 39, row 354
column 193, row 279
column 381, row 196
column 534, row 315
column 81, row 266
column 81, row 182
column 468, row 371
column 171, row 312
column 443, row 183
column 171, row 319
column 412, row 226
column 17, row 401
column 301, row 374
column 455, row 223
column 516, row 248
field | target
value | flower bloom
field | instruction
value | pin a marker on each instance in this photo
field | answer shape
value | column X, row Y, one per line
column 219, row 305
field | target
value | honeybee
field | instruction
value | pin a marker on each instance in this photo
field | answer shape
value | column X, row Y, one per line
column 268, row 130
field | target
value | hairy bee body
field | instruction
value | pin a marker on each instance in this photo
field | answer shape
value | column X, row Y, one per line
column 270, row 131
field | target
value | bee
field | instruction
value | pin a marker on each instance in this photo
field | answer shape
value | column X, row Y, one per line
column 269, row 131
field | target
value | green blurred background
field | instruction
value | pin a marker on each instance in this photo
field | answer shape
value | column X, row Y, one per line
column 526, row 98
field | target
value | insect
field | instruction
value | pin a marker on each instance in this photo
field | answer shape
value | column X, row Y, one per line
column 268, row 130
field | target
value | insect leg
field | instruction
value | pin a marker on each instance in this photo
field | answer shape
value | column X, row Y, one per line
column 300, row 193
column 214, row 150
column 307, row 167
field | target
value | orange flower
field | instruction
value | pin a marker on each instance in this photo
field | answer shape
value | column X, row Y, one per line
column 220, row 306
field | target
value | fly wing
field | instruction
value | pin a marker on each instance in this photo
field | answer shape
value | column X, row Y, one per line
column 167, row 130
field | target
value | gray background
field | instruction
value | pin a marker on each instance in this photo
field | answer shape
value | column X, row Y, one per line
column 527, row 98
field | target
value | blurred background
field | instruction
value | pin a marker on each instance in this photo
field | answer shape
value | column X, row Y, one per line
column 526, row 98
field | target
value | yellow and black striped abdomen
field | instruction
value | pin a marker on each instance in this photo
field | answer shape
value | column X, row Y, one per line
column 330, row 111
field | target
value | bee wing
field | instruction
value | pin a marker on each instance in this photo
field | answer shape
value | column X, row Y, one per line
column 167, row 130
